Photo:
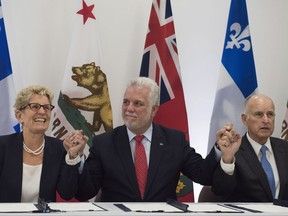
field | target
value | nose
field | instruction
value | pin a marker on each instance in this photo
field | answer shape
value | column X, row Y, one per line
column 41, row 109
column 265, row 118
column 130, row 106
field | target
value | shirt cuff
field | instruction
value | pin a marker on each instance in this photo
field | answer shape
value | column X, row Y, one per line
column 72, row 161
column 228, row 168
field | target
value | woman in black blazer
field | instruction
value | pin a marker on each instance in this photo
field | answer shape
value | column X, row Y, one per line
column 32, row 165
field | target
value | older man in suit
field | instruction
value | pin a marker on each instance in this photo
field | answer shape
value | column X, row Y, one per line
column 112, row 164
column 242, row 175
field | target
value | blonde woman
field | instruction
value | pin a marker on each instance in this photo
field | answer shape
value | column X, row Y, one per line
column 33, row 165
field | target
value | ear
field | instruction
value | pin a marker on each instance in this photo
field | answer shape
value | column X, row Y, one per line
column 18, row 115
column 244, row 119
column 154, row 111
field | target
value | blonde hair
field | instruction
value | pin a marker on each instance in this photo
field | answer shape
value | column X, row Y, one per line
column 24, row 96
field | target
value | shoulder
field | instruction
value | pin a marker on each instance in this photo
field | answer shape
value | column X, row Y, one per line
column 110, row 136
column 11, row 139
column 53, row 142
column 166, row 130
column 278, row 142
column 10, row 136
column 170, row 135
column 52, row 139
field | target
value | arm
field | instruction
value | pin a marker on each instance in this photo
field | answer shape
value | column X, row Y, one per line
column 228, row 142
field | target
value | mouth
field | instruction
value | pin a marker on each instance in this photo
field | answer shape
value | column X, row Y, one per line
column 265, row 129
column 130, row 116
column 41, row 120
column 75, row 77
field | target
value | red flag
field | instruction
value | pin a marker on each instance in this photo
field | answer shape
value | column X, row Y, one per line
column 160, row 62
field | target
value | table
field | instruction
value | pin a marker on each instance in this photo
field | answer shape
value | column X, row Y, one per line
column 111, row 209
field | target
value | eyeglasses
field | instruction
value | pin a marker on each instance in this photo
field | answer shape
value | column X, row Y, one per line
column 36, row 107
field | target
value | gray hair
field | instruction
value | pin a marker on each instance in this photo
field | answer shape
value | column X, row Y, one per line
column 155, row 90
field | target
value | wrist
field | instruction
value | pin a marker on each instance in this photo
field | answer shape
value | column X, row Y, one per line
column 72, row 155
column 73, row 161
column 228, row 160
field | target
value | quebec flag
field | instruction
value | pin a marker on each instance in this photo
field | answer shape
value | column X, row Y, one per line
column 8, row 122
column 237, row 77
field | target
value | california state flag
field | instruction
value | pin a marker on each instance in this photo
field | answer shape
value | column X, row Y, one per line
column 84, row 101
column 284, row 130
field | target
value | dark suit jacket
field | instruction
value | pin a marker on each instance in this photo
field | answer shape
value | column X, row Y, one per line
column 56, row 175
column 249, row 182
column 110, row 166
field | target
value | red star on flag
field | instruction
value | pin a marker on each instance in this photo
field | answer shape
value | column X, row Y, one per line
column 86, row 11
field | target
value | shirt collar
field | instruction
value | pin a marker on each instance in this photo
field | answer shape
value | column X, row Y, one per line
column 257, row 146
column 147, row 134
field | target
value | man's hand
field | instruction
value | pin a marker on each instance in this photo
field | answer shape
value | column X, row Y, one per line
column 75, row 143
column 228, row 141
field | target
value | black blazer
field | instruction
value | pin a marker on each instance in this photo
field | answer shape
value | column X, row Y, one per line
column 55, row 175
column 249, row 182
column 110, row 167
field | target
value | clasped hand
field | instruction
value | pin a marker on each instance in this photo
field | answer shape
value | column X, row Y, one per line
column 228, row 141
column 75, row 143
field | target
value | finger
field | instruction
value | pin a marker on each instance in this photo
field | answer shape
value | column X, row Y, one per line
column 229, row 126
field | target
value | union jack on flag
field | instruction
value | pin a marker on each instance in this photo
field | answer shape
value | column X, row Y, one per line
column 160, row 59
column 160, row 62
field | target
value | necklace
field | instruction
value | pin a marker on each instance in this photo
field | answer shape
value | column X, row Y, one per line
column 34, row 152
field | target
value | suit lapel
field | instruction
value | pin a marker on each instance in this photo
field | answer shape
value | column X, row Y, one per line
column 253, row 161
column 280, row 158
column 16, row 163
column 158, row 143
column 122, row 146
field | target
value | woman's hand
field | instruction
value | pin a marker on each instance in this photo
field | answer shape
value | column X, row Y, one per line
column 75, row 143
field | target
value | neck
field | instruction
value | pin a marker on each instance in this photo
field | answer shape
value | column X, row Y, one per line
column 33, row 140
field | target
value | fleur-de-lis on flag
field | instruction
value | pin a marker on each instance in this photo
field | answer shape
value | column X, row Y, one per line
column 238, row 37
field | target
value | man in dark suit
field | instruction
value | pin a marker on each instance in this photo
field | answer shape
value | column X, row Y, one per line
column 241, row 178
column 111, row 164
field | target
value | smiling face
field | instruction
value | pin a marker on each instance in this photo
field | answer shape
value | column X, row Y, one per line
column 259, row 118
column 137, row 111
column 36, row 122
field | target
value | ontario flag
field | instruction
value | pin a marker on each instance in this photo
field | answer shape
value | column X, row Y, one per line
column 160, row 62
column 84, row 102
column 284, row 131
column 237, row 77
column 8, row 122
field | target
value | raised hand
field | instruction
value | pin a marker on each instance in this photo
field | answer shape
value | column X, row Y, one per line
column 75, row 143
column 228, row 141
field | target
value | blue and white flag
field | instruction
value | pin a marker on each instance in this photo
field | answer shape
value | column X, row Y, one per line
column 237, row 77
column 8, row 122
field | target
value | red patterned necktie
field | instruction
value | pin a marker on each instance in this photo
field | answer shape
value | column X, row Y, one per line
column 140, row 164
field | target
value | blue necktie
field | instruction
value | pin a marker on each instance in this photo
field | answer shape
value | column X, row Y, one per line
column 268, row 169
